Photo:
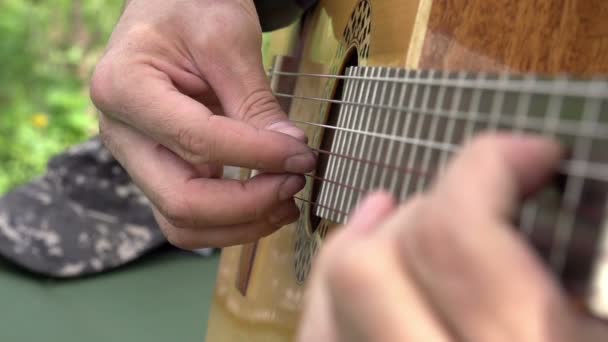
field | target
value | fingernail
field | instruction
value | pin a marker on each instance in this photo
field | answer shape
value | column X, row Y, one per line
column 288, row 128
column 290, row 186
column 299, row 163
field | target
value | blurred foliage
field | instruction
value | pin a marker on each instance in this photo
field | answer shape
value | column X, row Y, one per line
column 47, row 52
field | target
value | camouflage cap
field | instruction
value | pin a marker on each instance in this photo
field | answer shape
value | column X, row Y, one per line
column 83, row 216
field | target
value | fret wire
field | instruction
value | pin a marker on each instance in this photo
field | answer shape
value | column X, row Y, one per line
column 362, row 190
column 568, row 127
column 577, row 88
column 551, row 115
column 474, row 114
column 346, row 119
column 417, row 135
column 356, row 120
column 328, row 192
column 449, row 136
column 522, row 109
column 326, row 187
column 335, row 164
column 393, row 168
column 394, row 119
column 409, row 90
column 595, row 171
column 451, row 122
column 360, row 148
column 572, row 195
column 377, row 146
column 497, row 104
column 367, row 180
column 354, row 117
column 581, row 168
column 352, row 120
column 529, row 210
column 406, row 129
column 422, row 183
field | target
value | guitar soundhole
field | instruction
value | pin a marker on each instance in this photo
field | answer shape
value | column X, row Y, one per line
column 328, row 138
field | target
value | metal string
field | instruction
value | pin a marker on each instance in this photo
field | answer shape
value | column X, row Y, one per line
column 317, row 204
column 588, row 127
column 573, row 192
column 567, row 127
column 595, row 88
column 579, row 168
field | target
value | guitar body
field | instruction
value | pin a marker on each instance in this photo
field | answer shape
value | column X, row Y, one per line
column 260, row 287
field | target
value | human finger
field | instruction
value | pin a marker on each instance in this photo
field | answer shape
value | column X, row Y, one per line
column 189, row 199
column 147, row 100
column 467, row 258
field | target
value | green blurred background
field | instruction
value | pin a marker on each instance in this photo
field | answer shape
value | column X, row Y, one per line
column 47, row 52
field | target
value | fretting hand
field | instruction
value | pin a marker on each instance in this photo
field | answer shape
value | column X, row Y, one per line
column 182, row 91
column 448, row 265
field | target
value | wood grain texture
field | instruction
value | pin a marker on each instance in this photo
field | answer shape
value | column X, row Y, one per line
column 541, row 36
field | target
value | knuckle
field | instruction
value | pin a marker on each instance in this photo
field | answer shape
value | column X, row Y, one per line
column 104, row 130
column 106, row 135
column 244, row 32
column 101, row 86
column 259, row 107
column 197, row 149
column 180, row 238
column 175, row 210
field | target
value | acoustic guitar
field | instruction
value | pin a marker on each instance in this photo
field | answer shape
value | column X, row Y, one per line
column 388, row 90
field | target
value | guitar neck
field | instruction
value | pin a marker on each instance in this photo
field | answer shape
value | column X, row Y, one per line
column 396, row 129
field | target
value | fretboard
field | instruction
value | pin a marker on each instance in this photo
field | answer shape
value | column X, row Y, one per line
column 396, row 130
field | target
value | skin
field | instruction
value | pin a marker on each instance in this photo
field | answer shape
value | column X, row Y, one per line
column 181, row 93
column 423, row 272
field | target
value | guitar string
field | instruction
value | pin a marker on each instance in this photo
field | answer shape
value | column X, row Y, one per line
column 339, row 184
column 572, row 194
column 425, row 177
column 367, row 122
column 599, row 174
column 593, row 88
column 579, row 168
column 420, row 173
column 571, row 127
column 566, row 127
column 316, row 204
column 575, row 128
